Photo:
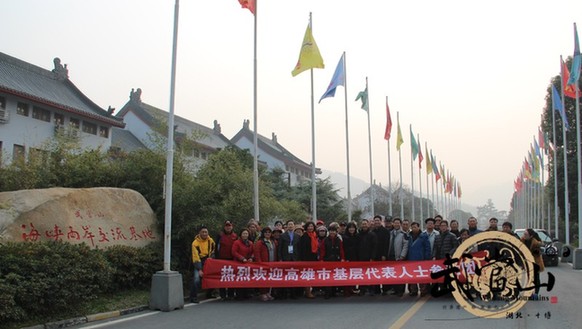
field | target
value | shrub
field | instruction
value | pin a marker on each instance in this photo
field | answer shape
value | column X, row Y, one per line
column 38, row 278
column 133, row 267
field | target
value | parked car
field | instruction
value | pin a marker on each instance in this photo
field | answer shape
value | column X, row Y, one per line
column 548, row 249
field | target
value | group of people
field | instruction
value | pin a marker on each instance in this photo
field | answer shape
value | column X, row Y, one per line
column 378, row 239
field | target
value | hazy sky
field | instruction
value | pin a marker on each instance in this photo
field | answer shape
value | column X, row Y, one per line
column 470, row 76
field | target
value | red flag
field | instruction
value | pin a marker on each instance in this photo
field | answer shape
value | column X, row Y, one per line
column 541, row 139
column 568, row 89
column 248, row 4
column 388, row 123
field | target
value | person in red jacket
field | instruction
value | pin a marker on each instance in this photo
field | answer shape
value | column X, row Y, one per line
column 265, row 251
column 242, row 251
column 224, row 241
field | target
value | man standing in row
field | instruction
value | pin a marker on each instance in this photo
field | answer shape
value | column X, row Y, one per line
column 398, row 249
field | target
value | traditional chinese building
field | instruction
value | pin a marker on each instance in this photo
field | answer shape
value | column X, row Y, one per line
column 147, row 125
column 274, row 155
column 36, row 104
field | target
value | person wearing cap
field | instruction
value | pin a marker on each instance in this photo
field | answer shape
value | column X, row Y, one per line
column 277, row 234
column 299, row 230
column 332, row 250
column 265, row 250
column 203, row 247
column 321, row 235
column 224, row 241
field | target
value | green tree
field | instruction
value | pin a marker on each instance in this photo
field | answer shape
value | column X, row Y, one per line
column 488, row 210
column 558, row 161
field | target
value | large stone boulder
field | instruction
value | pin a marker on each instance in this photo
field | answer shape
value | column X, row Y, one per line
column 100, row 217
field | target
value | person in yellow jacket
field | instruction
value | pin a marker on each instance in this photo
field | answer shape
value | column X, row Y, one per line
column 203, row 247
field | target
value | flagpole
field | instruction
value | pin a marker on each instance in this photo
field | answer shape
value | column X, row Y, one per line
column 170, row 150
column 578, row 127
column 166, row 281
column 565, row 151
column 347, row 139
column 255, row 123
column 542, row 189
column 411, row 174
column 556, row 209
column 427, row 187
column 389, row 173
column 400, row 169
column 579, row 160
column 370, row 151
column 313, row 185
column 419, row 174
column 432, row 181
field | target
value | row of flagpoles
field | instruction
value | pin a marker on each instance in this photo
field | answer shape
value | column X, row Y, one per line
column 310, row 58
column 529, row 186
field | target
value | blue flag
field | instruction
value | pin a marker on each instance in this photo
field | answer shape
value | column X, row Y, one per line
column 338, row 79
column 576, row 60
column 557, row 105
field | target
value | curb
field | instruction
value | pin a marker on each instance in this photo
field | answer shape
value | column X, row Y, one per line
column 98, row 316
column 89, row 318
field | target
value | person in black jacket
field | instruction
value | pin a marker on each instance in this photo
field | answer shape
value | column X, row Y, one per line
column 288, row 250
column 351, row 241
column 367, row 249
column 383, row 237
column 446, row 242
column 332, row 250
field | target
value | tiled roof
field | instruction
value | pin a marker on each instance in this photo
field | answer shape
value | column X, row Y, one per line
column 125, row 140
column 149, row 114
column 271, row 147
column 40, row 85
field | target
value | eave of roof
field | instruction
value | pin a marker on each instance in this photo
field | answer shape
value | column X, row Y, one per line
column 22, row 79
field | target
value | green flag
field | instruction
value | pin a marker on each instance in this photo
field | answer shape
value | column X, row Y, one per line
column 363, row 95
column 413, row 145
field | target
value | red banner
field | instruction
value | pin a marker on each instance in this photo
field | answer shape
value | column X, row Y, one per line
column 232, row 274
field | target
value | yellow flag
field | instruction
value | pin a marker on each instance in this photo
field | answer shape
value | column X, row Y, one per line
column 309, row 56
column 399, row 140
column 428, row 163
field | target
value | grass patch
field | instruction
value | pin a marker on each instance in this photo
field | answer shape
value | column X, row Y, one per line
column 105, row 303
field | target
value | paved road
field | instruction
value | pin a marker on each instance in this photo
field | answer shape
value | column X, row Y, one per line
column 366, row 312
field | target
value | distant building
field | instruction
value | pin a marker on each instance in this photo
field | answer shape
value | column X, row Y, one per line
column 36, row 104
column 274, row 155
column 363, row 201
column 145, row 124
